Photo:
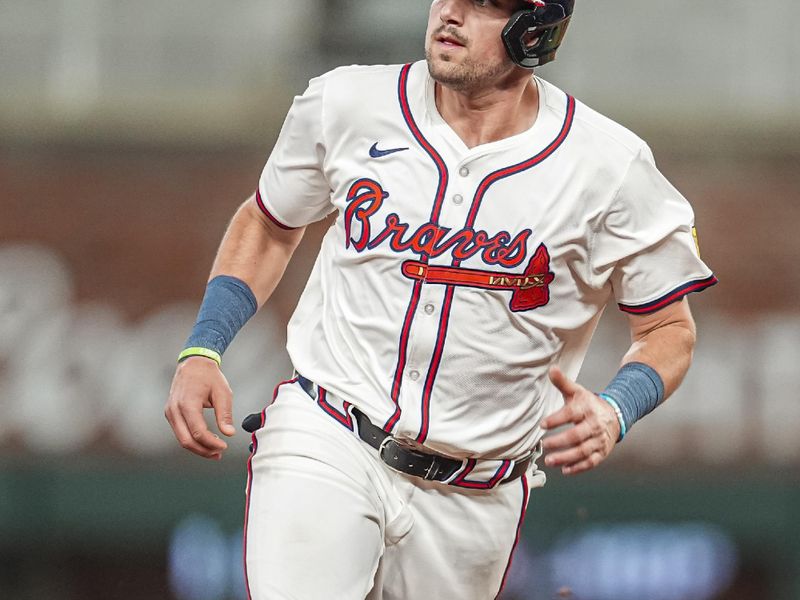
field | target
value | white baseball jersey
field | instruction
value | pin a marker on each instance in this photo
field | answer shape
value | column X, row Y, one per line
column 454, row 277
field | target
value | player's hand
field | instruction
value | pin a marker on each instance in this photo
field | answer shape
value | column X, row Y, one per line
column 593, row 434
column 198, row 384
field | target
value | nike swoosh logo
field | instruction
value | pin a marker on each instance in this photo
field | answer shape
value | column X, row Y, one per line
column 375, row 153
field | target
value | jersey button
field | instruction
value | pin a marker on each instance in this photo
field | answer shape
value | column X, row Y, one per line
column 414, row 375
column 464, row 171
column 458, row 199
column 429, row 309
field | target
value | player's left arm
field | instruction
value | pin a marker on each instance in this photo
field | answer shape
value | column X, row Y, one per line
column 662, row 347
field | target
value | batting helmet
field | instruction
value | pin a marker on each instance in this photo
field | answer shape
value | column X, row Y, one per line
column 533, row 34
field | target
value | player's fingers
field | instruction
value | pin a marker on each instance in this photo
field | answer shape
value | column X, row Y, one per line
column 569, row 438
column 185, row 438
column 572, row 412
column 564, row 384
column 223, row 409
column 585, row 465
column 199, row 431
column 575, row 454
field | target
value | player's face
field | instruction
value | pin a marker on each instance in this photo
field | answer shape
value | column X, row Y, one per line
column 463, row 46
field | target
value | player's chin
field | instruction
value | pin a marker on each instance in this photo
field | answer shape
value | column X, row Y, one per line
column 439, row 66
column 448, row 73
column 444, row 58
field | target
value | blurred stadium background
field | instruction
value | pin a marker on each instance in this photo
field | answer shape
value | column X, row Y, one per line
column 129, row 133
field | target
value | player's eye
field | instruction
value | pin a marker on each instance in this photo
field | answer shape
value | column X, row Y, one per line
column 487, row 3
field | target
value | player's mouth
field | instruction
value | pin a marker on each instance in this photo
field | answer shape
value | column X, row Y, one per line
column 449, row 40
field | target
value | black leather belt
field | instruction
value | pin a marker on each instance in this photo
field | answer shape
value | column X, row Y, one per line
column 431, row 467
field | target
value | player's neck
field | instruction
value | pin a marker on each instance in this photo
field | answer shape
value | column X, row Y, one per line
column 484, row 116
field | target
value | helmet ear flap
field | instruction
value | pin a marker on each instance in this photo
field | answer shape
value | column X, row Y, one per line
column 532, row 37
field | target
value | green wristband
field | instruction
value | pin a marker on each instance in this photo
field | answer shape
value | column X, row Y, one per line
column 200, row 352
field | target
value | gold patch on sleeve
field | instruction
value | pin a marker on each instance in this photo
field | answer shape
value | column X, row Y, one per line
column 696, row 240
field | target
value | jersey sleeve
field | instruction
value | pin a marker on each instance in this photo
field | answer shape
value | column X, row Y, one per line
column 646, row 245
column 293, row 190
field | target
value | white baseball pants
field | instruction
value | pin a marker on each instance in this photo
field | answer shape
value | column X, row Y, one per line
column 326, row 519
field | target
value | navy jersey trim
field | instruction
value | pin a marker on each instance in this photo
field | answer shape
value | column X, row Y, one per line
column 269, row 215
column 697, row 285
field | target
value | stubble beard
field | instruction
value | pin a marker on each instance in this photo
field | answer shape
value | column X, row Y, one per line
column 468, row 75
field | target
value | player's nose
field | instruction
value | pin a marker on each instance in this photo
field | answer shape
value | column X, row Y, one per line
column 451, row 12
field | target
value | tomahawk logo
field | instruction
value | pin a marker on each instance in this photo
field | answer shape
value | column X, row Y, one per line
column 529, row 289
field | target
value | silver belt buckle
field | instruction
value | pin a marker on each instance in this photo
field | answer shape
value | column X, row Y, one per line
column 382, row 446
column 393, row 464
column 382, row 452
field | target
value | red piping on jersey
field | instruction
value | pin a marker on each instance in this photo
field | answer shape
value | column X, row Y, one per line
column 344, row 419
column 401, row 357
column 697, row 285
column 525, row 493
column 268, row 214
column 441, row 189
column 487, row 182
column 461, row 480
column 250, row 485
column 493, row 178
column 436, row 359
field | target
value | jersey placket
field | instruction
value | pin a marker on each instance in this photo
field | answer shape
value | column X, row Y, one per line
column 424, row 331
column 453, row 216
column 427, row 338
column 422, row 339
column 469, row 172
column 408, row 342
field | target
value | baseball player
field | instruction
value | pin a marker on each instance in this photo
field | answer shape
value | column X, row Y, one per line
column 484, row 218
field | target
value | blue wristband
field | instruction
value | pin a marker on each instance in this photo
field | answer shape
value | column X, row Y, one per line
column 634, row 392
column 227, row 305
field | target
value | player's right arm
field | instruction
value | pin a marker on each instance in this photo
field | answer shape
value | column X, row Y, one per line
column 255, row 251
column 293, row 191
